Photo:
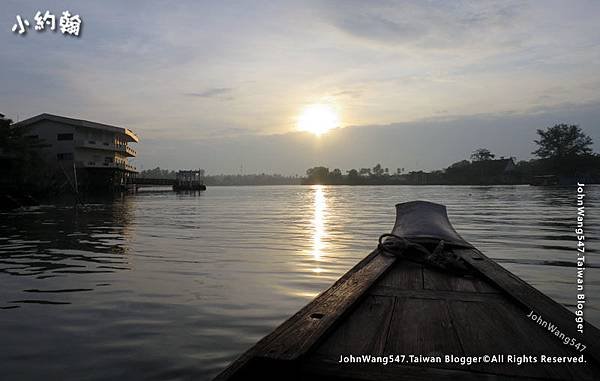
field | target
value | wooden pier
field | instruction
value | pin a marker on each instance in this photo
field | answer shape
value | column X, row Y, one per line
column 184, row 181
column 145, row 181
column 189, row 181
column 396, row 305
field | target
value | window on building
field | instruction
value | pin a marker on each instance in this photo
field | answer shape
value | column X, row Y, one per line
column 64, row 137
column 64, row 156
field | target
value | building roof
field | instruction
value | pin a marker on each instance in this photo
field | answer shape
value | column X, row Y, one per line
column 79, row 123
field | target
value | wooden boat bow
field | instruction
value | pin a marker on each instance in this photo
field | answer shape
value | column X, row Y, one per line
column 388, row 304
column 426, row 222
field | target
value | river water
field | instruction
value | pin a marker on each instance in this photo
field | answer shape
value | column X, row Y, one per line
column 160, row 285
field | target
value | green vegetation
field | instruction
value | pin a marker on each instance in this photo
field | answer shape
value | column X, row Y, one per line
column 563, row 141
column 254, row 179
column 564, row 151
column 462, row 172
column 482, row 154
column 158, row 173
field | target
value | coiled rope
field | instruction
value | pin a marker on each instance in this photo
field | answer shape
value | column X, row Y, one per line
column 396, row 245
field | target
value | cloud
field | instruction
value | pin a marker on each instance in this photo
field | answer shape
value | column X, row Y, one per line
column 215, row 92
column 353, row 93
column 208, row 70
column 428, row 144
column 429, row 25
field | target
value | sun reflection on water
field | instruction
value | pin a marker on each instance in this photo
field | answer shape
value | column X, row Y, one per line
column 320, row 207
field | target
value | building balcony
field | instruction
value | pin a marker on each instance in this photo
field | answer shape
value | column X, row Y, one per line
column 94, row 164
column 128, row 151
column 92, row 144
column 95, row 145
column 130, row 168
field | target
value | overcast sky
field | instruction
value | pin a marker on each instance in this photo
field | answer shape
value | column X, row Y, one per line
column 220, row 85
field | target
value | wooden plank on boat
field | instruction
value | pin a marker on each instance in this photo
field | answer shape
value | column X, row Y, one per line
column 431, row 294
column 406, row 275
column 422, row 326
column 483, row 328
column 362, row 332
column 533, row 300
column 434, row 279
column 545, row 344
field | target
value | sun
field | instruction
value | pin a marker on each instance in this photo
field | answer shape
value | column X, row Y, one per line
column 318, row 119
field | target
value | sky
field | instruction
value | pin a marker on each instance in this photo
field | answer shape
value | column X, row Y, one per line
column 221, row 85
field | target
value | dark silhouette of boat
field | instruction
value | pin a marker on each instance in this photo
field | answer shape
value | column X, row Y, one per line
column 425, row 305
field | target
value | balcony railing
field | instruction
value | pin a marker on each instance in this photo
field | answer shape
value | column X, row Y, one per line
column 122, row 148
column 126, row 149
column 96, row 164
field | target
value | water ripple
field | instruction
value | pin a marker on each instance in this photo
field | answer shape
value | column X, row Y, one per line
column 162, row 286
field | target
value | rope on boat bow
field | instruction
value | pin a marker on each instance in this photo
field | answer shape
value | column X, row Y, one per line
column 444, row 260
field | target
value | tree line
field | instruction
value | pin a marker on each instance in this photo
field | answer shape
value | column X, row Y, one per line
column 221, row 179
column 563, row 151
